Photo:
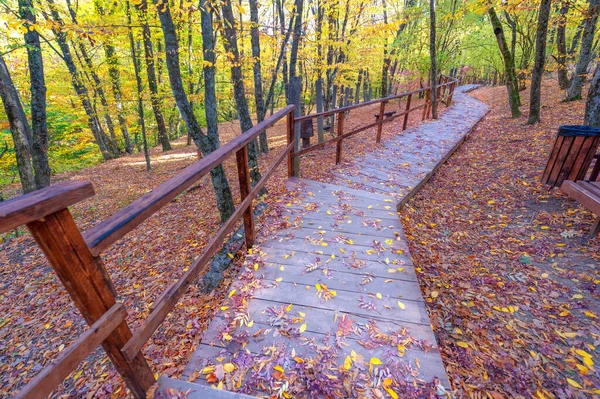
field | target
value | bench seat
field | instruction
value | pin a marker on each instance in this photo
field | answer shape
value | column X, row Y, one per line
column 587, row 193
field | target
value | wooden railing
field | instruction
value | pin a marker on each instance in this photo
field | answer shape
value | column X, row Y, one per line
column 75, row 257
column 445, row 90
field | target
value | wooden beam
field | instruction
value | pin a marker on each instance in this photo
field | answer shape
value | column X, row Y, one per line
column 33, row 206
column 406, row 112
column 112, row 229
column 46, row 381
column 244, row 178
column 380, row 125
column 340, row 134
column 89, row 285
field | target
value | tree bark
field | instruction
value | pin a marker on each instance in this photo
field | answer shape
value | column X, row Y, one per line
column 237, row 77
column 297, row 37
column 540, row 60
column 261, row 109
column 206, row 144
column 592, row 104
column 509, row 65
column 19, row 128
column 585, row 55
column 432, row 55
column 151, row 73
column 39, row 130
column 138, row 81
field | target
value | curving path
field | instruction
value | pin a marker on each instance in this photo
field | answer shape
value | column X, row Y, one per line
column 332, row 304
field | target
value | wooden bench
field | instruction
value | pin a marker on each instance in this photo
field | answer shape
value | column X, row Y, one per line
column 587, row 193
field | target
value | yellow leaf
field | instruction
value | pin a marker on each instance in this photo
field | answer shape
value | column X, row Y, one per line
column 318, row 287
column 279, row 279
column 347, row 363
column 231, row 293
column 288, row 307
column 434, row 294
column 462, row 344
column 353, row 355
column 208, row 369
column 590, row 314
column 228, row 367
column 302, row 328
column 375, row 361
column 391, row 270
column 47, row 326
column 582, row 353
column 302, row 314
column 378, row 295
column 256, row 266
column 224, row 308
column 390, row 392
column 230, row 255
column 577, row 296
column 544, row 227
column 227, row 337
column 401, row 305
column 279, row 368
column 574, row 383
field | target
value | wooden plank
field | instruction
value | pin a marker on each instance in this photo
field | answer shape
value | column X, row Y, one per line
column 46, row 381
column 168, row 300
column 551, row 159
column 89, row 285
column 593, row 188
column 33, row 206
column 115, row 227
column 560, row 160
column 407, row 111
column 588, row 159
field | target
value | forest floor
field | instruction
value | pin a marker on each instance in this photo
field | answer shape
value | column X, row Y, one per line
column 511, row 275
column 38, row 319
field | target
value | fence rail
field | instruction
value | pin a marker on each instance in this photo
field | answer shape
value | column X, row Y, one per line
column 75, row 257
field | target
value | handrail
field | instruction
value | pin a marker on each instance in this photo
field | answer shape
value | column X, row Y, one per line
column 115, row 227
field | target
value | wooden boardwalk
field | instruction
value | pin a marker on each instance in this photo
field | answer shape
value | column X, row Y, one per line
column 332, row 305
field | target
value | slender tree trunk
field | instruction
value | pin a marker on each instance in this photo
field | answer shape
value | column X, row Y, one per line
column 138, row 81
column 261, row 109
column 297, row 37
column 561, row 45
column 592, row 104
column 237, row 77
column 509, row 65
column 585, row 54
column 219, row 179
column 540, row 60
column 576, row 38
column 284, row 71
column 19, row 128
column 39, row 130
column 102, row 140
column 432, row 55
column 151, row 73
column 386, row 58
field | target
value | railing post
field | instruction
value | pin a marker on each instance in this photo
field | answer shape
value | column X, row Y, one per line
column 449, row 101
column 340, row 133
column 296, row 96
column 407, row 112
column 426, row 106
column 85, row 279
column 241, row 157
column 290, row 139
column 380, row 125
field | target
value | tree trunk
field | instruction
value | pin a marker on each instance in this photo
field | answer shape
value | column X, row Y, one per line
column 138, row 80
column 19, row 128
column 237, row 77
column 39, row 130
column 585, row 54
column 151, row 73
column 297, row 37
column 206, row 144
column 433, row 69
column 102, row 140
column 261, row 109
column 509, row 65
column 592, row 104
column 561, row 45
column 386, row 59
column 540, row 60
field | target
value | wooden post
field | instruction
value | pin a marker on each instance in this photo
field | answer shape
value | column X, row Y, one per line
column 85, row 278
column 319, row 101
column 296, row 95
column 407, row 112
column 241, row 157
column 426, row 106
column 333, row 106
column 380, row 125
column 290, row 139
column 340, row 132
column 449, row 101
